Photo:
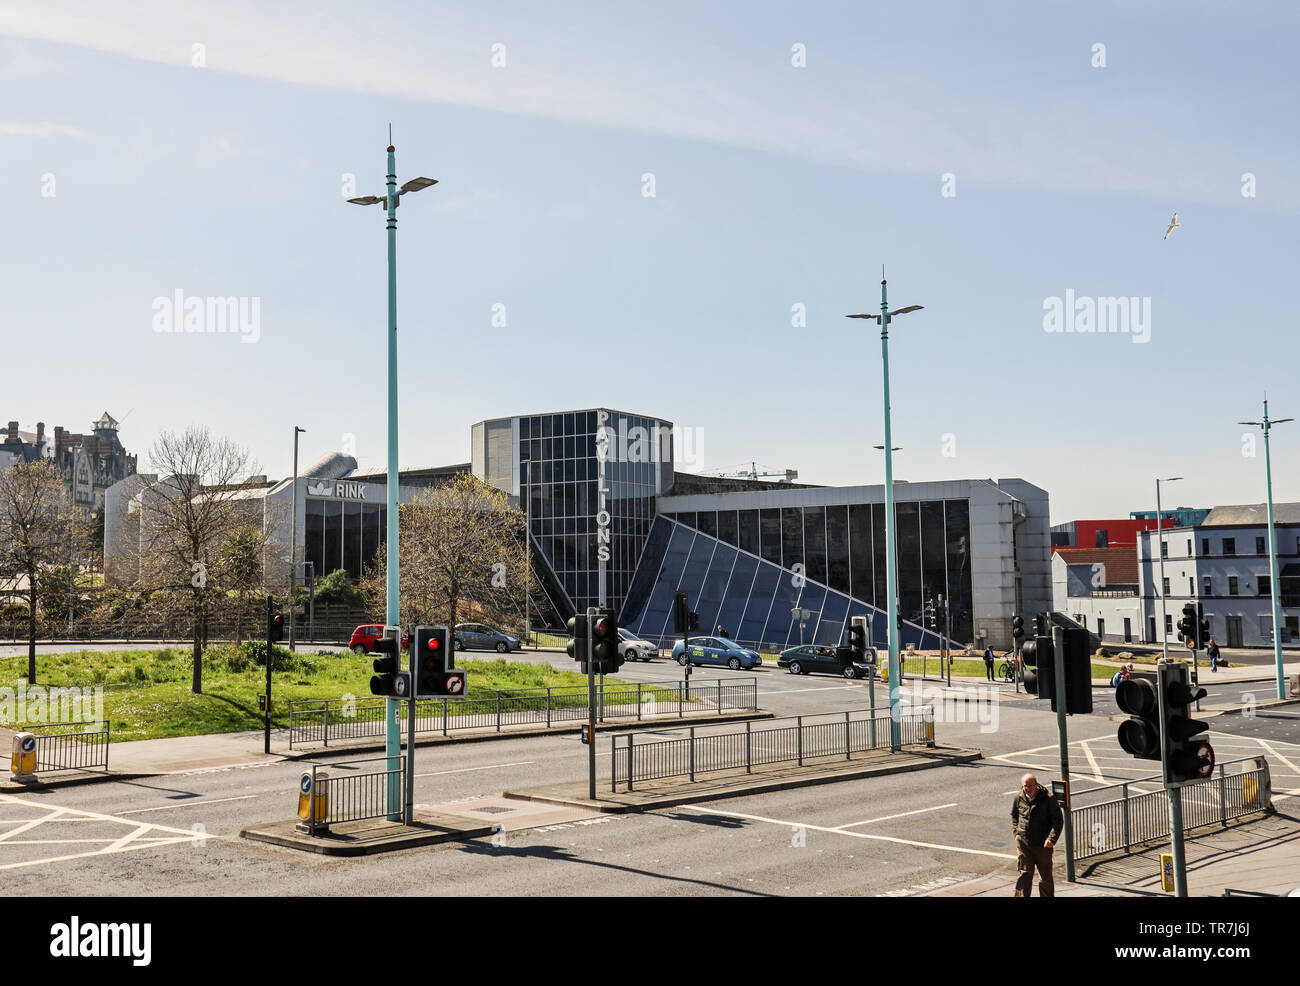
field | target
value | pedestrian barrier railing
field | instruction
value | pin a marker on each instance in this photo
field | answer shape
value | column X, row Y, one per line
column 344, row 792
column 70, row 745
column 704, row 749
column 1120, row 816
column 325, row 720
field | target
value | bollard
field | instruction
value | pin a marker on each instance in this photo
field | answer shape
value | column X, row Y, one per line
column 22, row 764
column 313, row 801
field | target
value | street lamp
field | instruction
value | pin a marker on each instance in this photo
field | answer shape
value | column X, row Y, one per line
column 891, row 552
column 293, row 537
column 1164, row 633
column 392, row 745
column 1267, row 425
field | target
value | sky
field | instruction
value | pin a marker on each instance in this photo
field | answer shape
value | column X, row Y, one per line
column 668, row 210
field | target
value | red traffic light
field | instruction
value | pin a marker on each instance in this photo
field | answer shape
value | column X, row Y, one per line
column 433, row 643
column 602, row 627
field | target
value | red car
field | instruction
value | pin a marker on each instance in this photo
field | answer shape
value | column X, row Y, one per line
column 362, row 640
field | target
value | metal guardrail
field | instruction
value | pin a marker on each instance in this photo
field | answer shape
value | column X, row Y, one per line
column 1137, row 817
column 798, row 739
column 71, row 749
column 322, row 720
column 351, row 797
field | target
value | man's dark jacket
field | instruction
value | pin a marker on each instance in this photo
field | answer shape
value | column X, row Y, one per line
column 1034, row 819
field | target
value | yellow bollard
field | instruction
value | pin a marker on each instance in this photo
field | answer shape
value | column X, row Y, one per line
column 321, row 795
column 22, row 764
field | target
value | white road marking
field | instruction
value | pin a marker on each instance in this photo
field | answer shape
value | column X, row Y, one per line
column 1274, row 752
column 490, row 766
column 901, row 814
column 1092, row 761
column 188, row 804
column 820, row 688
column 852, row 835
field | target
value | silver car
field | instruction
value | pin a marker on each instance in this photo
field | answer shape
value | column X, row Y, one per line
column 636, row 649
column 479, row 636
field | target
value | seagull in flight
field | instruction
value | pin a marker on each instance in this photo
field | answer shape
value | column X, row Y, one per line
column 1173, row 225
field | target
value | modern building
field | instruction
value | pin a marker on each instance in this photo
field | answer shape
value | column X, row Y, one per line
column 1113, row 533
column 772, row 562
column 1220, row 563
column 1181, row 516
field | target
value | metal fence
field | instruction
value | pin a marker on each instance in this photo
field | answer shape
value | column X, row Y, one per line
column 1107, row 823
column 71, row 745
column 323, row 720
column 342, row 793
column 800, row 739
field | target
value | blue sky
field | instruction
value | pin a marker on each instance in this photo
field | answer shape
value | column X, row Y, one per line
column 775, row 186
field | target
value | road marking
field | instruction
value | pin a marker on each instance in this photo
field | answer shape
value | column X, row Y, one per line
column 491, row 766
column 31, row 824
column 1092, row 761
column 1274, row 752
column 819, row 688
column 901, row 814
column 188, row 804
column 852, row 835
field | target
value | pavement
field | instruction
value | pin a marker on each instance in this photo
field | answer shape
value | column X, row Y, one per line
column 1260, row 853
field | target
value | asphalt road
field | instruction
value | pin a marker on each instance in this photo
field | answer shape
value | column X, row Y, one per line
column 897, row 835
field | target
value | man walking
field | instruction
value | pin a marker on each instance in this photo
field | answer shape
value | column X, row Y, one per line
column 1037, row 821
column 988, row 663
column 1213, row 652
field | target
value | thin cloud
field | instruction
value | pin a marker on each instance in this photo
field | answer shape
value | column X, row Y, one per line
column 43, row 129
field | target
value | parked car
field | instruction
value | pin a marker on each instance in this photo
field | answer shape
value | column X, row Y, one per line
column 717, row 650
column 819, row 659
column 478, row 636
column 363, row 638
column 636, row 649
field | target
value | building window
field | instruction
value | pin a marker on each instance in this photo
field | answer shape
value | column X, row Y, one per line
column 1205, row 546
column 1189, row 547
column 1229, row 546
column 1191, row 587
column 1209, row 586
column 1265, row 584
column 1232, row 585
column 1259, row 546
column 1169, row 624
column 1164, row 548
column 1165, row 586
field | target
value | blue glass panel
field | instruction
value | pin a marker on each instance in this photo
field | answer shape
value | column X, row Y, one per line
column 697, row 567
column 830, row 630
column 810, row 599
column 661, row 596
column 647, row 568
column 714, row 586
column 733, row 606
column 760, row 601
column 784, row 596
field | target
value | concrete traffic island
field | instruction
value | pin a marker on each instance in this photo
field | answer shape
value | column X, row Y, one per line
column 733, row 783
column 372, row 835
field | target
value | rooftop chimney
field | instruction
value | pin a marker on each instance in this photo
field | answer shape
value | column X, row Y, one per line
column 13, row 431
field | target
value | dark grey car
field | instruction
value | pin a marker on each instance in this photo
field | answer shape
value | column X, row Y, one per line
column 479, row 636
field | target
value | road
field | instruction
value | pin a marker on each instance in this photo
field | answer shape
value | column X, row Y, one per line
column 896, row 835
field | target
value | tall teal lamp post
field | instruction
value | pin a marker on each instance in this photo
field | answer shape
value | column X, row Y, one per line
column 393, row 740
column 891, row 550
column 1267, row 425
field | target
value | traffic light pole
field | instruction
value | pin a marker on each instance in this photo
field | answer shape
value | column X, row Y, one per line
column 1062, row 731
column 1174, row 793
column 266, row 746
column 591, row 703
column 392, row 733
column 409, row 813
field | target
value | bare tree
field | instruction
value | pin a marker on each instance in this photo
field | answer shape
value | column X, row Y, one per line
column 36, row 528
column 461, row 544
column 200, row 499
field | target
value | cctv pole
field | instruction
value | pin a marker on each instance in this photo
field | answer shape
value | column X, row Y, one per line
column 891, row 548
column 393, row 617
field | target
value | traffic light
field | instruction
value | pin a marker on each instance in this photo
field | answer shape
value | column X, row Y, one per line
column 275, row 627
column 1203, row 628
column 1189, row 756
column 577, row 645
column 1039, row 657
column 433, row 669
column 930, row 620
column 1040, row 625
column 681, row 613
column 1139, row 734
column 389, row 680
column 1188, row 625
column 1017, row 630
column 1078, row 673
column 858, row 628
column 605, row 652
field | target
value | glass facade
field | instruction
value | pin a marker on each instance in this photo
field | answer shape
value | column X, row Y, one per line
column 343, row 534
column 559, row 476
column 841, row 549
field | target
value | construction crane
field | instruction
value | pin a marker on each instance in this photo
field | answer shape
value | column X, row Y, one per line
column 784, row 476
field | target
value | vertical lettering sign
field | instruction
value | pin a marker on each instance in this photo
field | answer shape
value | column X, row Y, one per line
column 602, row 509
